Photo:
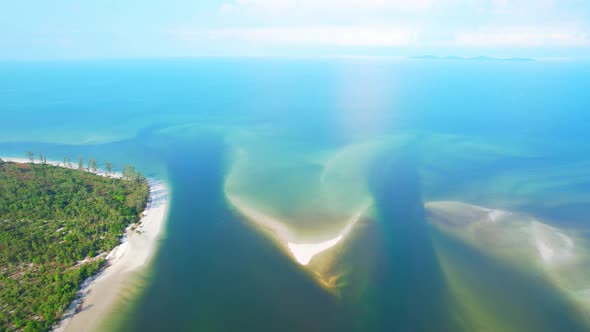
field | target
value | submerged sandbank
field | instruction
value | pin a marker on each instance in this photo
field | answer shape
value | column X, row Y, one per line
column 99, row 295
column 311, row 201
column 560, row 256
column 304, row 251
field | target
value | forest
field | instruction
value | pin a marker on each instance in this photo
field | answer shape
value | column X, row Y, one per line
column 56, row 225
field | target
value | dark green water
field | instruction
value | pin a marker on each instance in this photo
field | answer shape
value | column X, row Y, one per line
column 217, row 274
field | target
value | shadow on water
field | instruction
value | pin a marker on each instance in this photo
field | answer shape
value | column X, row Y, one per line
column 214, row 273
column 409, row 291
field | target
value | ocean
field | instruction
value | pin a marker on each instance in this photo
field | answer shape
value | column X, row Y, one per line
column 269, row 159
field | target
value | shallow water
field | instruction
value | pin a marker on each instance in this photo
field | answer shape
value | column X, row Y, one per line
column 311, row 144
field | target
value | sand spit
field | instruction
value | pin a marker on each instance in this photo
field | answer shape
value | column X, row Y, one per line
column 302, row 252
column 99, row 294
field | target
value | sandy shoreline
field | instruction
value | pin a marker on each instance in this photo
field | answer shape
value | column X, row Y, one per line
column 99, row 295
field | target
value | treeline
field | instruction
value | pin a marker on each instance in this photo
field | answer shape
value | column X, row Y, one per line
column 52, row 218
column 129, row 172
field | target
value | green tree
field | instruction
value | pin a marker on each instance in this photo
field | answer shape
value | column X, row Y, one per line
column 51, row 218
column 92, row 164
column 80, row 163
column 109, row 166
column 129, row 172
column 30, row 156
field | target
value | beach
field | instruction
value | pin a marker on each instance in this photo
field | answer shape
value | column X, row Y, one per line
column 100, row 294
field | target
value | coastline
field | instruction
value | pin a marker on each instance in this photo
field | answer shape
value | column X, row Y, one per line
column 99, row 294
column 115, row 175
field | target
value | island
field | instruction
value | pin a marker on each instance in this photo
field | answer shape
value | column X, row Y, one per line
column 58, row 225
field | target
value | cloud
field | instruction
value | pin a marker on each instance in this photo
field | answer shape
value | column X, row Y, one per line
column 525, row 37
column 389, row 36
column 326, row 35
column 333, row 5
column 337, row 7
column 424, row 25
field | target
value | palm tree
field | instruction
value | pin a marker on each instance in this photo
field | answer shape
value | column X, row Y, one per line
column 92, row 164
column 80, row 163
column 130, row 172
column 31, row 156
column 109, row 166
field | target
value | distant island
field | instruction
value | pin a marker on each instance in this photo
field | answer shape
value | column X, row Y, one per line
column 477, row 58
column 57, row 225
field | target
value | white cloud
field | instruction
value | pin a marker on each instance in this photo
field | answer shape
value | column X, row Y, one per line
column 334, row 5
column 338, row 7
column 417, row 24
column 524, row 37
column 328, row 35
column 531, row 36
column 260, row 5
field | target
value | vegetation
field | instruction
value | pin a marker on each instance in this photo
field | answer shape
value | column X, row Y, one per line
column 30, row 156
column 92, row 165
column 56, row 224
column 109, row 167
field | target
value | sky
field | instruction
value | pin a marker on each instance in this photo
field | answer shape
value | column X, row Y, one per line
column 97, row 29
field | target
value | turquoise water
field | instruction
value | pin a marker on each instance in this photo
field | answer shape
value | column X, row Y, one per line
column 260, row 153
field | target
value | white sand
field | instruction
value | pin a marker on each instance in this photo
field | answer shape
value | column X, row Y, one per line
column 100, row 294
column 303, row 252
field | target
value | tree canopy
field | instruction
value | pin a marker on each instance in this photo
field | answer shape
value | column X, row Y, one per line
column 55, row 226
